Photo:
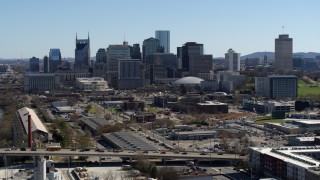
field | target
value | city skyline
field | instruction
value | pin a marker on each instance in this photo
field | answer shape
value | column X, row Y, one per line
column 32, row 29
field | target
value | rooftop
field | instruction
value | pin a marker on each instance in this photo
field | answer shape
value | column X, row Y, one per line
column 293, row 154
column 36, row 122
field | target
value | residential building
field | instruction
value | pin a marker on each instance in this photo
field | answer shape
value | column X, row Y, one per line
column 82, row 53
column 54, row 60
column 232, row 60
column 34, row 64
column 40, row 82
column 164, row 38
column 91, row 84
column 283, row 53
column 290, row 162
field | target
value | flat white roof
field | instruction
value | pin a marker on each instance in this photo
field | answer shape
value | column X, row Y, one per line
column 36, row 122
column 211, row 103
column 291, row 154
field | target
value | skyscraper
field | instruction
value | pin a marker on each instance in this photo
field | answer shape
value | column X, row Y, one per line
column 34, row 64
column 54, row 60
column 45, row 64
column 190, row 48
column 135, row 51
column 150, row 46
column 283, row 53
column 232, row 60
column 114, row 53
column 164, row 38
column 82, row 52
column 101, row 56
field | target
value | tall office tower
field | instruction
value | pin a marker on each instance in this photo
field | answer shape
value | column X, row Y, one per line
column 283, row 53
column 82, row 52
column 190, row 48
column 164, row 38
column 135, row 51
column 232, row 60
column 45, row 64
column 34, row 64
column 101, row 56
column 150, row 46
column 160, row 65
column 54, row 60
column 114, row 53
column 265, row 60
column 179, row 57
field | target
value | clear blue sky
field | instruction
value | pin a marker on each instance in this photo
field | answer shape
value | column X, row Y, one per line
column 32, row 27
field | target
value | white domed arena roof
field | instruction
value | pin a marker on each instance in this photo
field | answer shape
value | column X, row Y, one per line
column 190, row 80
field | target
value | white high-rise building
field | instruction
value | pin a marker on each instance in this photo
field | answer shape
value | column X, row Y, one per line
column 164, row 38
column 232, row 60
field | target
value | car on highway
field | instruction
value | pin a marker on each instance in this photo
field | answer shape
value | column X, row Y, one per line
column 23, row 149
column 176, row 152
column 131, row 151
column 162, row 152
column 81, row 150
column 184, row 153
column 220, row 153
column 33, row 149
column 8, row 149
column 203, row 153
column 73, row 149
column 146, row 152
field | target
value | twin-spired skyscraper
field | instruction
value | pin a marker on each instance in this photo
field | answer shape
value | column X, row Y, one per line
column 164, row 38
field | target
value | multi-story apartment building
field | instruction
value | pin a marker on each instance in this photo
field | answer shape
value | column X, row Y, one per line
column 294, row 162
column 232, row 60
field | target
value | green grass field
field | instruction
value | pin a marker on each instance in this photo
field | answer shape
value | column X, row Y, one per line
column 272, row 121
column 307, row 89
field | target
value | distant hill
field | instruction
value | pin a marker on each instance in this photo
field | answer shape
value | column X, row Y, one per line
column 270, row 55
column 259, row 55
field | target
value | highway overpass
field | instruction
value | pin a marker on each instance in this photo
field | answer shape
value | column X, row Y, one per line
column 124, row 154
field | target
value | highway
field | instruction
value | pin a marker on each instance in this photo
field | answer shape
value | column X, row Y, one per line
column 124, row 154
